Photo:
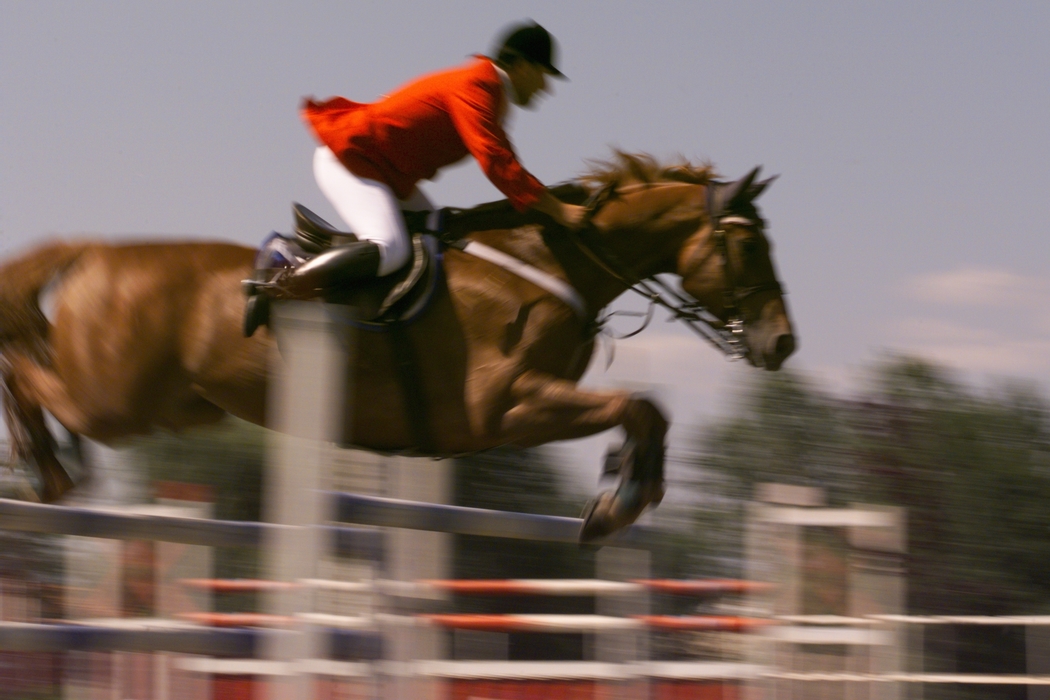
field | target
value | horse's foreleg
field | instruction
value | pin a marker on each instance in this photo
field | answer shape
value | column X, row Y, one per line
column 547, row 408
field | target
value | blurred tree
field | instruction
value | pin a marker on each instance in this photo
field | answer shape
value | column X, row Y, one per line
column 783, row 430
column 973, row 472
column 229, row 457
column 971, row 469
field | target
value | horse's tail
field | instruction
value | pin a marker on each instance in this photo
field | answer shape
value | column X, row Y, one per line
column 21, row 282
column 23, row 325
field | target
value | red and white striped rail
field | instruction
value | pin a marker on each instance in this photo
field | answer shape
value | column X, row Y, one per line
column 581, row 587
column 506, row 587
column 565, row 624
column 593, row 623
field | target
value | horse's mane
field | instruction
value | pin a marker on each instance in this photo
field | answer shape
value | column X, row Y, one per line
column 629, row 168
column 622, row 168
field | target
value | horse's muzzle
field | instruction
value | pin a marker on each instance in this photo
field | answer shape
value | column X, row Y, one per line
column 771, row 339
column 780, row 347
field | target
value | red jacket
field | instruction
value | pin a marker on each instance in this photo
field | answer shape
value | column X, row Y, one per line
column 423, row 126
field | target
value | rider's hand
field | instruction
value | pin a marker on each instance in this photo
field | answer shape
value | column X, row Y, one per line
column 571, row 216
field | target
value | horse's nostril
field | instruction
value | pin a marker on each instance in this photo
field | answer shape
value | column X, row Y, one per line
column 785, row 345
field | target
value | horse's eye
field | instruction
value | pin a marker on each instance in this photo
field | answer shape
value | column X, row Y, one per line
column 748, row 247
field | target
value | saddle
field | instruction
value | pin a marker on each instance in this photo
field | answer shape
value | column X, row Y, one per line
column 370, row 304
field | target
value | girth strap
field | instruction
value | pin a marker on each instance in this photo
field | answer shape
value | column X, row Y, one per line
column 407, row 364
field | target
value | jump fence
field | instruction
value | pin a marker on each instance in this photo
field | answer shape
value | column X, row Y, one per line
column 298, row 653
column 236, row 639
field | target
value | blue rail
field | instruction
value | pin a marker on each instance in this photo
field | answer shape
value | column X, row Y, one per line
column 343, row 645
column 412, row 515
column 358, row 543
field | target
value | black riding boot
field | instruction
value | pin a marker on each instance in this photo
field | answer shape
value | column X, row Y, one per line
column 334, row 268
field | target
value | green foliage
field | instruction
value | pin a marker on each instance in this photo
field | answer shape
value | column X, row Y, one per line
column 521, row 481
column 970, row 468
column 229, row 458
column 973, row 472
column 784, row 430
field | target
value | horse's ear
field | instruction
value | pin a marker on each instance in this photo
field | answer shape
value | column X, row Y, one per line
column 725, row 196
column 759, row 187
column 741, row 189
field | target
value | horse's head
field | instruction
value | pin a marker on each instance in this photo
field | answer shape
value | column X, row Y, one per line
column 727, row 266
column 710, row 234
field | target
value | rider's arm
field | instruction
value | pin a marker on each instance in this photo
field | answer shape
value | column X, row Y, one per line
column 568, row 215
column 474, row 102
column 474, row 106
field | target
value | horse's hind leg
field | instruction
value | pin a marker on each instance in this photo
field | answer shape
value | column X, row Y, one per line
column 31, row 441
column 547, row 408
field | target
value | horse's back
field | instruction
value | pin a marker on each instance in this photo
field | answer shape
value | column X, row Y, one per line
column 186, row 257
column 138, row 288
column 137, row 328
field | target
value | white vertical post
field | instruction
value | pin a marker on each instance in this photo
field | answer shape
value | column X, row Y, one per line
column 92, row 589
column 175, row 561
column 622, row 647
column 776, row 555
column 758, row 561
column 412, row 555
column 306, row 402
column 1037, row 653
column 877, row 587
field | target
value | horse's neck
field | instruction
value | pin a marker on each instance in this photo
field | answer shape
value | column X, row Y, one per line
column 647, row 231
column 643, row 230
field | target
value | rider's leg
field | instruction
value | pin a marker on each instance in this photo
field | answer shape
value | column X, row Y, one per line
column 417, row 201
column 336, row 266
column 369, row 208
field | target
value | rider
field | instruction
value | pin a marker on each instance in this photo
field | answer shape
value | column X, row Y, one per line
column 373, row 155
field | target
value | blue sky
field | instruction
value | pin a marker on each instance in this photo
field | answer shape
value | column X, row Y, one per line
column 912, row 142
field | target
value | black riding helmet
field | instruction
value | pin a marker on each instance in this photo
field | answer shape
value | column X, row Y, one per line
column 531, row 42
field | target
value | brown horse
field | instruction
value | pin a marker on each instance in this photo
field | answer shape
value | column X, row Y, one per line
column 149, row 335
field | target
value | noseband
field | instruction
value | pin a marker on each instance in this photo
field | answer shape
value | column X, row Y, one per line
column 727, row 336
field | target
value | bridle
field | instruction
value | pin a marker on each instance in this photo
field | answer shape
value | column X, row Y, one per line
column 727, row 336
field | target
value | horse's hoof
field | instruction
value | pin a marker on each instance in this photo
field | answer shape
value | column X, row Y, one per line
column 597, row 520
column 610, row 512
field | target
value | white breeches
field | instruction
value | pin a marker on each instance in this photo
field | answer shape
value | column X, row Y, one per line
column 369, row 207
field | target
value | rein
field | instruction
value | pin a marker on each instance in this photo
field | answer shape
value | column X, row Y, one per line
column 726, row 336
